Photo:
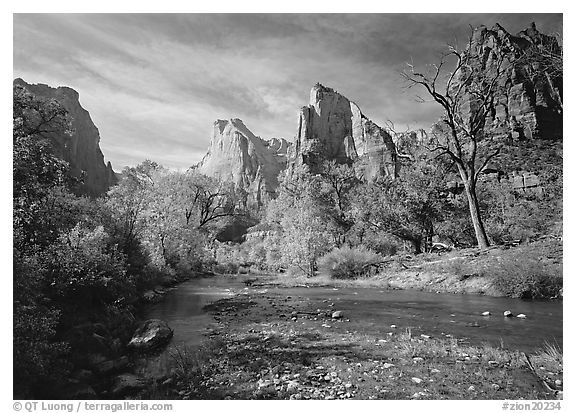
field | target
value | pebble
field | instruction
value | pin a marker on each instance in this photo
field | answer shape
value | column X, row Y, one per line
column 558, row 382
column 471, row 388
column 485, row 313
column 521, row 316
column 434, row 371
column 326, row 325
column 508, row 313
column 496, row 386
column 416, row 380
column 417, row 359
column 493, row 363
column 337, row 314
column 424, row 336
column 387, row 365
column 393, row 326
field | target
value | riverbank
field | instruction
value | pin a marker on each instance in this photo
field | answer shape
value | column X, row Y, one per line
column 531, row 270
column 265, row 345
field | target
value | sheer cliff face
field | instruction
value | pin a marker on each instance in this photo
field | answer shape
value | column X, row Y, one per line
column 529, row 99
column 332, row 127
column 237, row 155
column 81, row 150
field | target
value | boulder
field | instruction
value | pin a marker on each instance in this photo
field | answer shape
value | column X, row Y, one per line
column 150, row 335
column 80, row 392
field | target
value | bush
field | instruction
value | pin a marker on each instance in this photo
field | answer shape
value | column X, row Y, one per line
column 346, row 262
column 523, row 277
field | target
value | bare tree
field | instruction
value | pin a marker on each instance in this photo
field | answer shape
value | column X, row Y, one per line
column 467, row 94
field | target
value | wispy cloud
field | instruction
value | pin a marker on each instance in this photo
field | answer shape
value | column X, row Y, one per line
column 154, row 84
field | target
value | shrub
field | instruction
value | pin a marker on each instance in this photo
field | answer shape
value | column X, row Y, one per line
column 346, row 262
column 523, row 277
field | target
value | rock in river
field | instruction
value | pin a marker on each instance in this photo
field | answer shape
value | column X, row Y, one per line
column 152, row 334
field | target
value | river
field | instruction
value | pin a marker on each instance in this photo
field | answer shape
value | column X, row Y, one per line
column 373, row 311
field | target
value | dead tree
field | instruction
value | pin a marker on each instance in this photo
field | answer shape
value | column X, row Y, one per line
column 467, row 94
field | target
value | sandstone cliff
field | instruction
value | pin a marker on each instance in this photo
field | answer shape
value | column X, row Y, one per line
column 235, row 154
column 528, row 103
column 81, row 150
column 332, row 127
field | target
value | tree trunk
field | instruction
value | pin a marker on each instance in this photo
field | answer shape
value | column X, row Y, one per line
column 481, row 236
column 417, row 245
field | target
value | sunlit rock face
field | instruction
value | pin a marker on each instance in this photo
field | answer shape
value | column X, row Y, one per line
column 235, row 154
column 528, row 102
column 81, row 149
column 332, row 127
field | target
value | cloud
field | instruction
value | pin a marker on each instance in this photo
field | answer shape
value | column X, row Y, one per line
column 154, row 84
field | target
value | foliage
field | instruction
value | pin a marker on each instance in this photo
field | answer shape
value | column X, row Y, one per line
column 346, row 262
column 83, row 270
column 526, row 277
column 406, row 208
column 300, row 213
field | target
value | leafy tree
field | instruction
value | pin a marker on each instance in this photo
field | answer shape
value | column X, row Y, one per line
column 36, row 170
column 406, row 208
column 299, row 215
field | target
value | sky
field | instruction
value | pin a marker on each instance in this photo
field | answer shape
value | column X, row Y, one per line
column 155, row 83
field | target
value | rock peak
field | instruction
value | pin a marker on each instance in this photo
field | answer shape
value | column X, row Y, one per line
column 235, row 154
column 332, row 127
column 81, row 149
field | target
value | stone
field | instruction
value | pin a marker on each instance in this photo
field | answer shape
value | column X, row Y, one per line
column 109, row 366
column 127, row 384
column 508, row 313
column 393, row 326
column 150, row 296
column 387, row 365
column 80, row 392
column 416, row 380
column 471, row 388
column 337, row 314
column 237, row 155
column 486, row 313
column 521, row 316
column 151, row 334
column 81, row 149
